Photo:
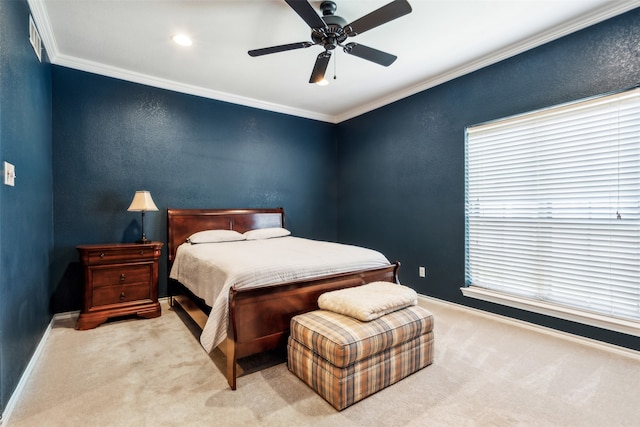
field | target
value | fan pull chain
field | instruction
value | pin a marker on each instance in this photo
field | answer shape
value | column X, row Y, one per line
column 335, row 60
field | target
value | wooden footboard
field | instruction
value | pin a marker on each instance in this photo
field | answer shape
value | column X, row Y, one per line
column 260, row 317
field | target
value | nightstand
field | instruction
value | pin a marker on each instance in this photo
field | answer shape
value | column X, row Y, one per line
column 119, row 279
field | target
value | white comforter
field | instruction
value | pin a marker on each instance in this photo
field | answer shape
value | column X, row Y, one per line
column 209, row 270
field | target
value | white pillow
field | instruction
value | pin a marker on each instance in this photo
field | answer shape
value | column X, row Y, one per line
column 215, row 236
column 266, row 233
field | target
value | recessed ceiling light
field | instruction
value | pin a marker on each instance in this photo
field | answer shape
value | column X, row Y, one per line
column 182, row 40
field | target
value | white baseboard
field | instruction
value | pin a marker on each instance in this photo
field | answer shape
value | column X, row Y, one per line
column 623, row 351
column 601, row 345
column 15, row 396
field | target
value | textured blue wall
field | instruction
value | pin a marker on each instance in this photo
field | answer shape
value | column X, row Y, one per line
column 112, row 138
column 401, row 167
column 26, row 210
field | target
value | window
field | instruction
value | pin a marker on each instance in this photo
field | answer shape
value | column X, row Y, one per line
column 553, row 211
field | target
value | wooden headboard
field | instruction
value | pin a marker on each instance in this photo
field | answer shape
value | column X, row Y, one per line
column 182, row 223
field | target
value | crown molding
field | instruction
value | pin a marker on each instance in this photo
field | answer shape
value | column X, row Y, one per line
column 149, row 80
column 614, row 9
column 42, row 21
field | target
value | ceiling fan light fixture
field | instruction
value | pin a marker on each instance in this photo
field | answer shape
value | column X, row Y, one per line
column 182, row 40
column 323, row 82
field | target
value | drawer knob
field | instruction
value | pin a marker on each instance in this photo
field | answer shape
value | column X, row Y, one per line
column 122, row 277
column 102, row 255
column 121, row 296
column 141, row 252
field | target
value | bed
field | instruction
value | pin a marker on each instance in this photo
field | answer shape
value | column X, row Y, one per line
column 253, row 317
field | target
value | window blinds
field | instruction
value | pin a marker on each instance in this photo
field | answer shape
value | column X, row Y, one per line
column 553, row 205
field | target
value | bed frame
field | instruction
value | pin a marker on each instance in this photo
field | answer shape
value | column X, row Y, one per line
column 259, row 317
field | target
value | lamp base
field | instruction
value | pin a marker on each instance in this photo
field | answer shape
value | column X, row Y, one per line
column 143, row 240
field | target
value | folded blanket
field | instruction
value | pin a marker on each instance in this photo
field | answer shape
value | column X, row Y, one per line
column 370, row 301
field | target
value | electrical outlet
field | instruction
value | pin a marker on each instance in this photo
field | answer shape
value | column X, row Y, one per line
column 422, row 271
column 9, row 174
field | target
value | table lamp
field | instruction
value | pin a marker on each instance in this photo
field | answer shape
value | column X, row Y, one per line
column 142, row 202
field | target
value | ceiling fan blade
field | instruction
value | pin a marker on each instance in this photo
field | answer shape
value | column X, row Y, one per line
column 320, row 67
column 370, row 54
column 280, row 48
column 380, row 16
column 306, row 12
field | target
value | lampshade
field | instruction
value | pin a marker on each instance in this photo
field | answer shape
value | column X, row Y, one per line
column 142, row 201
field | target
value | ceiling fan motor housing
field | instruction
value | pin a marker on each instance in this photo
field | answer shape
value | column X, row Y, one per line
column 334, row 34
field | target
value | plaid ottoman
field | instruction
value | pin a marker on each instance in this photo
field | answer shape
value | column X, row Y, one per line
column 345, row 360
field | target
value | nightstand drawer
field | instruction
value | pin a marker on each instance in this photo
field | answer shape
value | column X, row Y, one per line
column 119, row 294
column 121, row 255
column 122, row 275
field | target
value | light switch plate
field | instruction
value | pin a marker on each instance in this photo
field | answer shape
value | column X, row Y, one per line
column 9, row 174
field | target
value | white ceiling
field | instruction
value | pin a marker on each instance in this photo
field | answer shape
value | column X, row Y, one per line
column 438, row 41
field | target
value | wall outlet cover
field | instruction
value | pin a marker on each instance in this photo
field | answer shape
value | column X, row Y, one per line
column 422, row 271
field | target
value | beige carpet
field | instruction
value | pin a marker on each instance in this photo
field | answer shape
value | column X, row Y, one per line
column 486, row 373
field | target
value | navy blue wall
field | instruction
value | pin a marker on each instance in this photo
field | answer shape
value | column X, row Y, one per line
column 26, row 210
column 401, row 167
column 112, row 138
column 392, row 179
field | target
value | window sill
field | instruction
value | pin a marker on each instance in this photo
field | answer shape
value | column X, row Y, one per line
column 629, row 327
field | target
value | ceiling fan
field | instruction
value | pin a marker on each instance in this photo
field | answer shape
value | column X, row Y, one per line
column 331, row 31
